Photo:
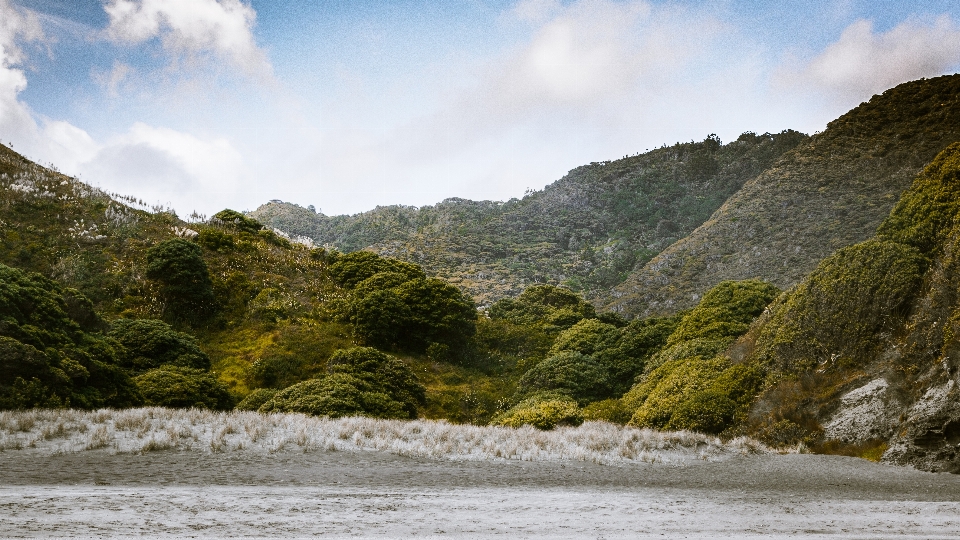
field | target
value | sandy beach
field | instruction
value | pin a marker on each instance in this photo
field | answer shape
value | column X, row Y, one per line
column 366, row 494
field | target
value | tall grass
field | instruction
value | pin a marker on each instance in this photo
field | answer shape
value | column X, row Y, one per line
column 152, row 429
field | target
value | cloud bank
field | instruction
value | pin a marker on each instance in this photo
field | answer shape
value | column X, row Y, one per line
column 191, row 27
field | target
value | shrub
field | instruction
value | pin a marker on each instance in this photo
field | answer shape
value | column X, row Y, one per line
column 150, row 344
column 47, row 358
column 256, row 399
column 835, row 315
column 178, row 266
column 414, row 315
column 239, row 221
column 181, row 387
column 351, row 269
column 666, row 387
column 586, row 337
column 607, row 410
column 336, row 395
column 216, row 240
column 925, row 213
column 570, row 373
column 704, row 348
column 542, row 411
column 548, row 306
column 384, row 372
column 725, row 311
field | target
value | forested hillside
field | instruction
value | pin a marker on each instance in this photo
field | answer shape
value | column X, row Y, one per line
column 587, row 231
column 831, row 191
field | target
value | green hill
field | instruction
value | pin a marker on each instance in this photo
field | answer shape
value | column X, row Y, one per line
column 829, row 192
column 586, row 231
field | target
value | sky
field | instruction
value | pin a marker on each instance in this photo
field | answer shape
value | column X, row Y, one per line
column 200, row 105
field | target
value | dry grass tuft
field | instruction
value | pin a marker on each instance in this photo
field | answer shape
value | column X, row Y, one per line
column 154, row 429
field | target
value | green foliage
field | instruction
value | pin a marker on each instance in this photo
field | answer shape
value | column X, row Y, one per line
column 704, row 348
column 182, row 387
column 352, row 268
column 336, row 395
column 607, row 410
column 725, row 311
column 383, row 372
column 239, row 221
column 412, row 315
column 586, row 231
column 926, row 212
column 835, row 315
column 550, row 307
column 216, row 240
column 256, row 399
column 543, row 411
column 178, row 266
column 150, row 344
column 359, row 381
column 47, row 359
column 665, row 388
column 570, row 373
column 586, row 337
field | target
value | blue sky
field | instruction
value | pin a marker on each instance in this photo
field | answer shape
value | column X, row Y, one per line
column 206, row 104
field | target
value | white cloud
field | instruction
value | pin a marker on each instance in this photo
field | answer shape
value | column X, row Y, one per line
column 863, row 62
column 190, row 28
column 168, row 166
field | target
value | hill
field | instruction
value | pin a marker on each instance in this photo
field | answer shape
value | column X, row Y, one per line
column 586, row 231
column 829, row 192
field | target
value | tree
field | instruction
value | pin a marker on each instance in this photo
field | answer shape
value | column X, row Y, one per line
column 181, row 387
column 359, row 381
column 150, row 344
column 570, row 373
column 178, row 266
column 350, row 269
column 49, row 359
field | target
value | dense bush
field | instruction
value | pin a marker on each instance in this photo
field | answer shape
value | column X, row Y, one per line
column 414, row 315
column 335, row 395
column 150, row 344
column 704, row 348
column 569, row 373
column 607, row 410
column 542, row 411
column 725, row 311
column 181, row 387
column 835, row 315
column 178, row 267
column 359, row 381
column 553, row 308
column 47, row 358
column 239, row 221
column 351, row 269
column 668, row 386
column 926, row 212
column 256, row 399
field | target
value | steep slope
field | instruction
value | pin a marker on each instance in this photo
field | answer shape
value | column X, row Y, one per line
column 865, row 351
column 829, row 192
column 587, row 231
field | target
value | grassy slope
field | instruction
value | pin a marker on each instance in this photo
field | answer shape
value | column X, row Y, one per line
column 588, row 230
column 275, row 294
column 830, row 192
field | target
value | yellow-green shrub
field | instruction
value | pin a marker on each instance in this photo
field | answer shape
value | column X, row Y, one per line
column 543, row 411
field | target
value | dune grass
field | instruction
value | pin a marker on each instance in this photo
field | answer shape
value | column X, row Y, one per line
column 153, row 429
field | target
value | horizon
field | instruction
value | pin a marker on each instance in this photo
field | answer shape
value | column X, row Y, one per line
column 208, row 104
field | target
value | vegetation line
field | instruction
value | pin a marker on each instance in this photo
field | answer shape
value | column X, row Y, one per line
column 154, row 428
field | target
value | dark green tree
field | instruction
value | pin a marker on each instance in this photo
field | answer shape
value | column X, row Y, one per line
column 150, row 344
column 178, row 267
column 47, row 358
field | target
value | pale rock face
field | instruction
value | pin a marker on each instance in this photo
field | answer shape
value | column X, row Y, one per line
column 863, row 414
column 929, row 437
